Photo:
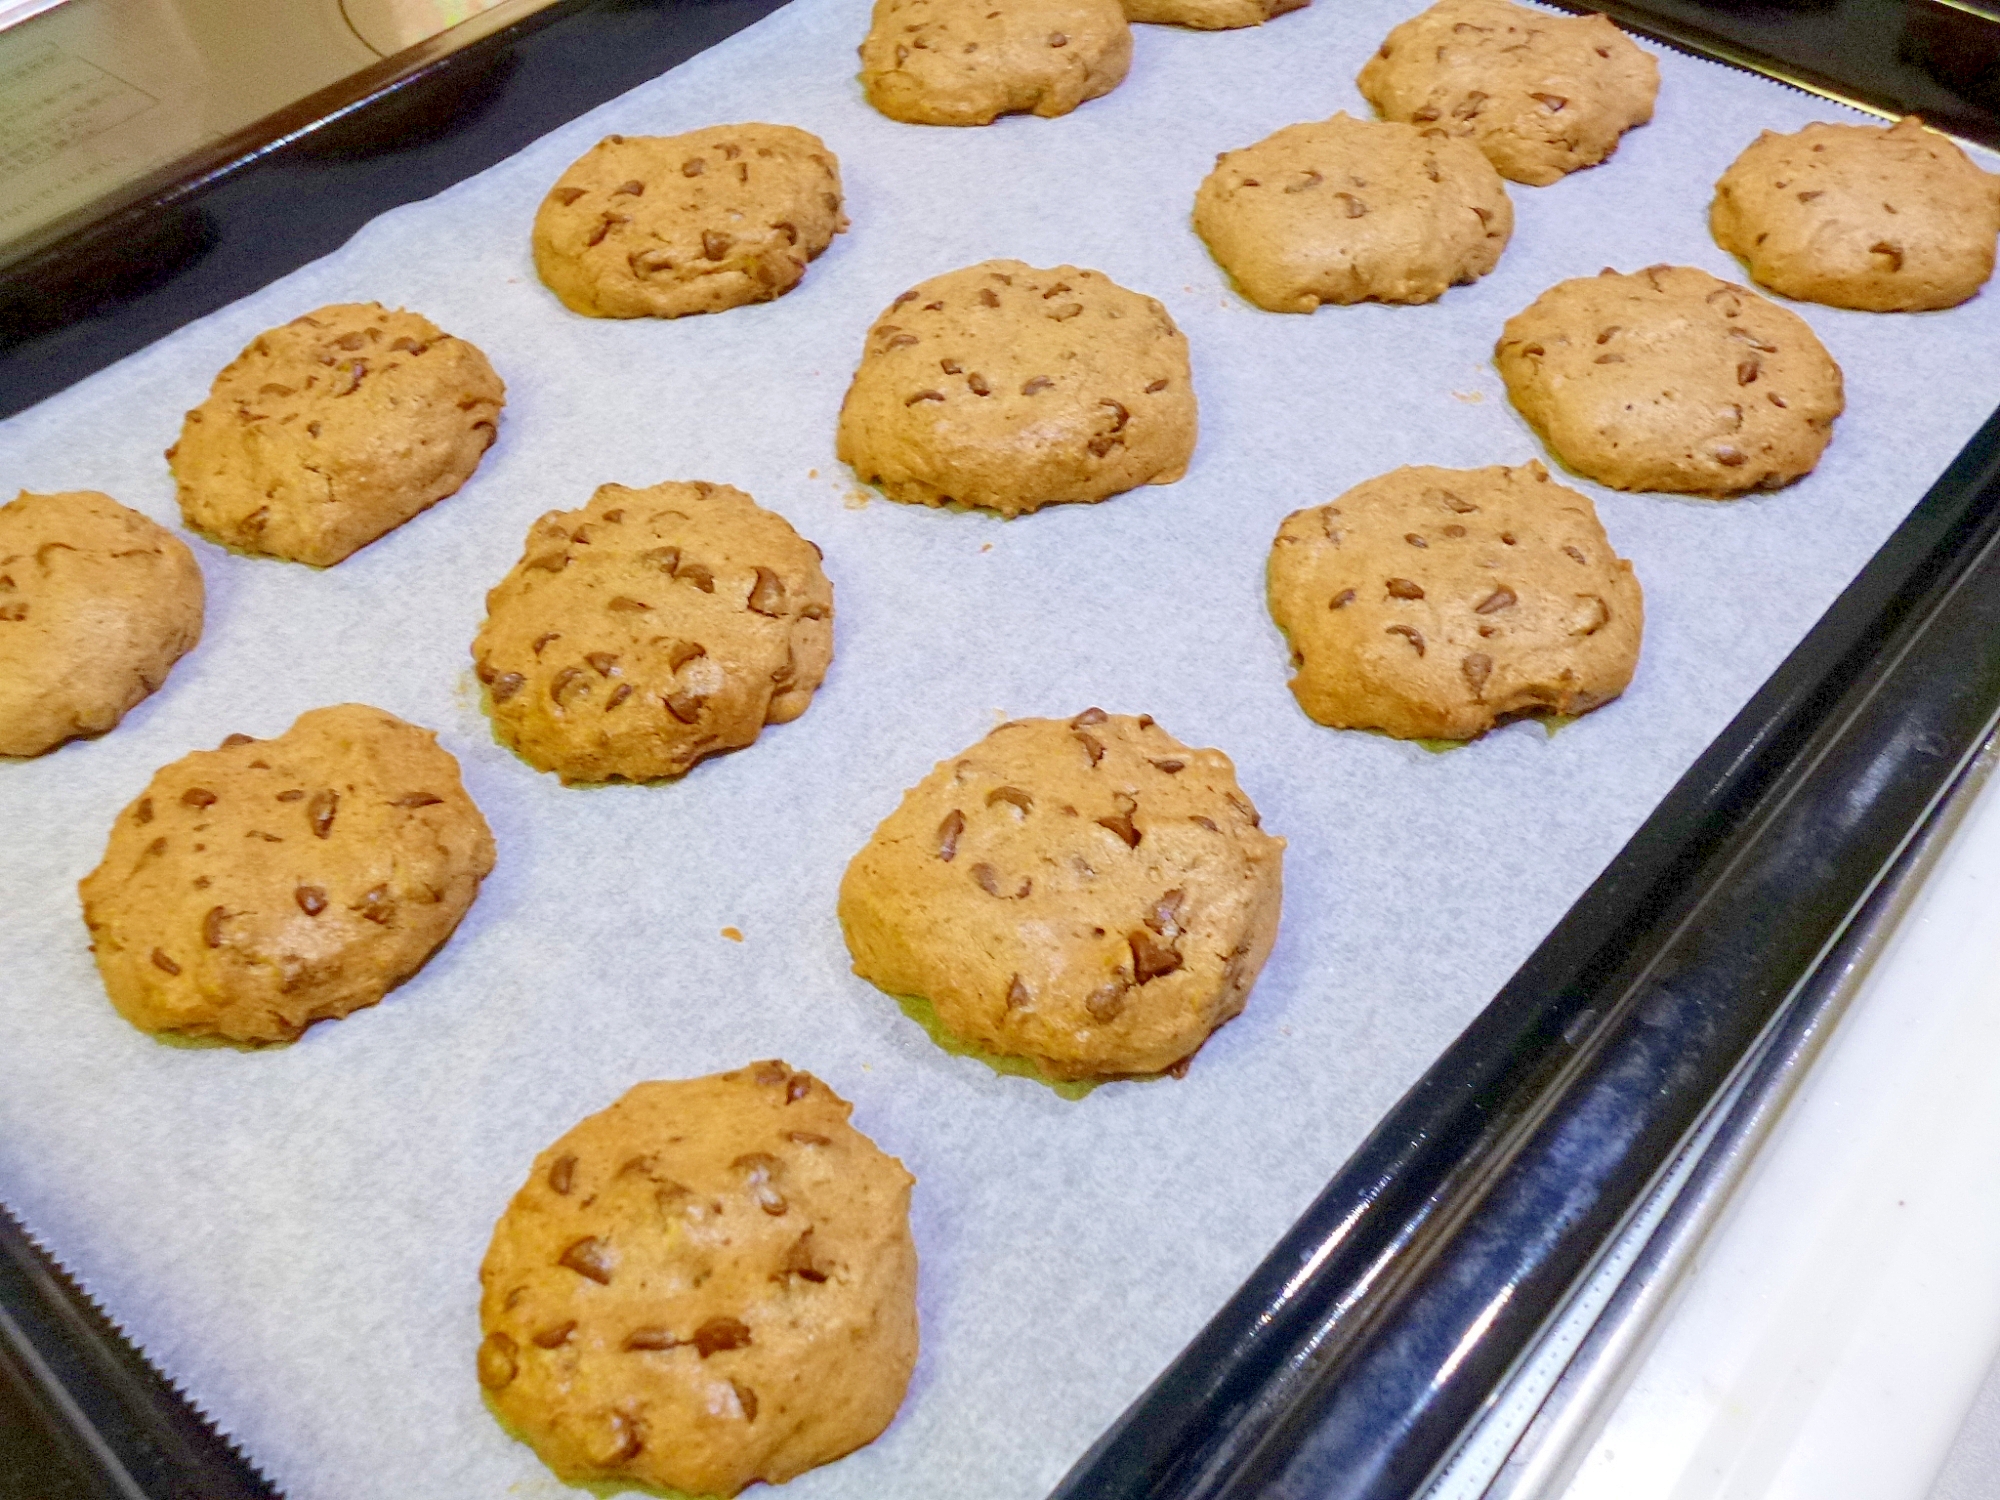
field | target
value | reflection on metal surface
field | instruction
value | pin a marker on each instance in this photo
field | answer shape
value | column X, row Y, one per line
column 388, row 26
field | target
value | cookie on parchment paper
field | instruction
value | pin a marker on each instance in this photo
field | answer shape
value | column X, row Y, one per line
column 1009, row 388
column 967, row 62
column 97, row 603
column 1209, row 15
column 652, row 628
column 1669, row 379
column 1347, row 210
column 663, row 226
column 1436, row 603
column 1880, row 218
column 255, row 889
column 1542, row 95
column 711, row 1282
column 332, row 430
column 1088, row 893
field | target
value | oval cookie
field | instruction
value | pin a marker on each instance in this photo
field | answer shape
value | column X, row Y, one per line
column 1542, row 95
column 651, row 629
column 663, row 226
column 1880, row 218
column 333, row 430
column 1436, row 603
column 1347, row 210
column 710, row 1283
column 1009, row 388
column 258, row 888
column 1087, row 893
column 1209, row 15
column 967, row 62
column 97, row 603
column 1668, row 379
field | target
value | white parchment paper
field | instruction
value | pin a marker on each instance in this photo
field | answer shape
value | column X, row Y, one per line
column 294, row 1235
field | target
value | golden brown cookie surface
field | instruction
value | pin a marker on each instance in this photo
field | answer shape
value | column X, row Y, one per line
column 664, row 226
column 1885, row 219
column 1434, row 603
column 710, row 1283
column 1209, row 15
column 1010, row 388
column 1088, row 893
column 255, row 889
column 1668, row 379
column 967, row 62
column 1540, row 94
column 653, row 628
column 332, row 430
column 96, row 605
column 1347, row 210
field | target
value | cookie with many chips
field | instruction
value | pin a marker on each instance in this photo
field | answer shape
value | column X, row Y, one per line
column 333, row 430
column 97, row 603
column 967, row 62
column 711, row 1282
column 257, row 888
column 651, row 629
column 645, row 226
column 1436, row 603
column 1009, row 388
column 1087, row 893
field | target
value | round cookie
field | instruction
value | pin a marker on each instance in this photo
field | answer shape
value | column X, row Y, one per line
column 653, row 226
column 258, row 888
column 710, row 1283
column 1011, row 388
column 1541, row 95
column 332, row 430
column 96, row 605
column 1209, row 15
column 1668, row 379
column 967, row 62
column 1088, row 893
column 653, row 628
column 1347, row 210
column 1436, row 603
column 1880, row 218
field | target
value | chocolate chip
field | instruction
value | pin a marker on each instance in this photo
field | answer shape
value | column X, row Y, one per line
column 564, row 680
column 1477, row 668
column 719, row 1334
column 1151, row 958
column 1057, row 39
column 624, row 604
column 377, row 905
column 1104, row 1002
column 144, row 811
column 417, row 799
column 1156, row 386
column 311, row 899
column 1501, row 598
column 1730, row 458
column 746, row 1398
column 197, row 796
column 319, row 812
column 797, row 1087
column 591, row 1258
column 714, row 246
column 978, row 384
column 1208, row 823
column 1341, row 600
column 562, row 1173
column 556, row 1337
column 1893, row 253
column 1410, row 633
column 760, row 1171
column 1017, row 993
column 604, row 226
column 1089, row 717
column 1747, row 370
column 618, row 696
column 506, row 685
column 924, row 396
column 901, row 341
column 601, row 661
column 1574, row 553
column 498, row 1361
column 165, row 964
column 1092, row 747
column 1403, row 588
column 237, row 739
column 948, row 832
column 1414, row 540
column 211, row 926
column 989, row 297
column 684, row 706
column 989, row 882
column 683, row 653
column 694, row 166
column 1173, row 767
column 807, row 1138
column 1012, row 795
column 1035, row 384
column 697, row 575
column 567, row 195
column 630, row 189
column 767, row 597
column 1066, row 311
column 1121, row 822
column 649, row 1340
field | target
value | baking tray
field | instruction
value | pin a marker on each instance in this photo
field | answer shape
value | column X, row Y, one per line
column 1356, row 1355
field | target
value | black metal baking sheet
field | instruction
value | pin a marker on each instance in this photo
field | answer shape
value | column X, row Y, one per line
column 1323, row 1376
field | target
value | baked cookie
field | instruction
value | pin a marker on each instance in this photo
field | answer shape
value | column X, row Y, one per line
column 1348, row 210
column 1541, row 95
column 967, row 62
column 709, row 1283
column 653, row 628
column 1209, row 15
column 258, row 888
column 1881, row 218
column 1087, row 893
column 1010, row 388
column 1668, row 379
column 652, row 226
column 96, row 605
column 1436, row 603
column 332, row 430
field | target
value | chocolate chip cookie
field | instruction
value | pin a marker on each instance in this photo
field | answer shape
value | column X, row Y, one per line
column 710, row 1283
column 1087, row 893
column 967, row 62
column 644, row 226
column 332, row 430
column 653, row 628
column 255, row 889
column 1540, row 94
column 1436, row 603
column 96, row 605
column 1668, row 379
column 1881, row 218
column 1209, row 15
column 1348, row 210
column 1009, row 388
